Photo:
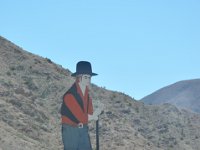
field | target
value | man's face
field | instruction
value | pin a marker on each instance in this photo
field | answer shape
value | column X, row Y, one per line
column 86, row 79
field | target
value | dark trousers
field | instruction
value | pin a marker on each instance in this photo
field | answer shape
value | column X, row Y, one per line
column 75, row 138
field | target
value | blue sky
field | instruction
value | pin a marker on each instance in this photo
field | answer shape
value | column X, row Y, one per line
column 136, row 46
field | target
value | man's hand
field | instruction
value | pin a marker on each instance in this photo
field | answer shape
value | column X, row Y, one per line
column 98, row 111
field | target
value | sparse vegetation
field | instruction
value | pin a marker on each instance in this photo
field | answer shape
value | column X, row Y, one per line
column 30, row 83
column 8, row 73
column 31, row 99
column 49, row 60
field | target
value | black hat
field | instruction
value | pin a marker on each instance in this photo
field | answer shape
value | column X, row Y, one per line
column 83, row 67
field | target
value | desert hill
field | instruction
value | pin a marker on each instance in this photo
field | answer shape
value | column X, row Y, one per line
column 183, row 94
column 31, row 90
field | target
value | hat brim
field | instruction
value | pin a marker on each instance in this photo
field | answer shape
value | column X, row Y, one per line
column 75, row 74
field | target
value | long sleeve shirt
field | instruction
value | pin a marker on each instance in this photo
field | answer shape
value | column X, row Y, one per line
column 80, row 112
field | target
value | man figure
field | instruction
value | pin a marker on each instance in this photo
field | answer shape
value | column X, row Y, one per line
column 76, row 106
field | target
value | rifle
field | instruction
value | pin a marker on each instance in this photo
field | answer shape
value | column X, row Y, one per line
column 97, row 134
column 97, row 131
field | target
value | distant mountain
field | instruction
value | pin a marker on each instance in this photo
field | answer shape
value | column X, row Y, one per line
column 183, row 94
column 31, row 90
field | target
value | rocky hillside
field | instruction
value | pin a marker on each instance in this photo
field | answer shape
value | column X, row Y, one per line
column 183, row 94
column 31, row 88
